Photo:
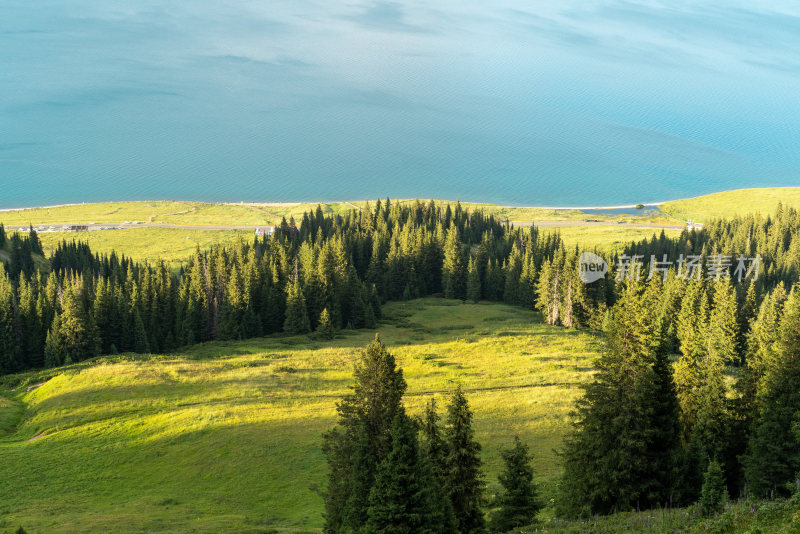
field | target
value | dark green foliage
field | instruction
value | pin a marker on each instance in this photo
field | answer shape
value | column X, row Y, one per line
column 463, row 483
column 517, row 500
column 140, row 343
column 773, row 457
column 405, row 498
column 296, row 314
column 77, row 332
column 433, row 443
column 714, row 494
column 55, row 352
column 473, row 282
column 9, row 343
column 362, row 437
column 621, row 452
column 325, row 327
column 454, row 270
column 348, row 264
column 2, row 235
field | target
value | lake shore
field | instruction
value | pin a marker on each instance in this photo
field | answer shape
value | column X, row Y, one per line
column 353, row 203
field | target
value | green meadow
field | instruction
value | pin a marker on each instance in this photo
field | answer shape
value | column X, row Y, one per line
column 177, row 245
column 261, row 214
column 727, row 204
column 605, row 238
column 716, row 205
column 172, row 245
column 225, row 436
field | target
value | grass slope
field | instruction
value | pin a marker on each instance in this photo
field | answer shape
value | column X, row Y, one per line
column 606, row 239
column 727, row 204
column 225, row 437
column 173, row 245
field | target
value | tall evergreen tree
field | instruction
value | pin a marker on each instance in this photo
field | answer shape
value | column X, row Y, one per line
column 454, row 272
column 140, row 342
column 614, row 458
column 773, row 457
column 77, row 330
column 325, row 327
column 55, row 352
column 406, row 498
column 464, row 483
column 473, row 282
column 296, row 314
column 10, row 354
column 365, row 416
column 714, row 494
column 517, row 501
column 433, row 443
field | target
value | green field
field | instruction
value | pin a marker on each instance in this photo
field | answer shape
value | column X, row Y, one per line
column 225, row 437
column 173, row 245
column 703, row 208
column 260, row 214
column 607, row 239
column 728, row 204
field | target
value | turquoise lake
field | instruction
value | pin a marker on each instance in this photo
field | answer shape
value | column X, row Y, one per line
column 526, row 103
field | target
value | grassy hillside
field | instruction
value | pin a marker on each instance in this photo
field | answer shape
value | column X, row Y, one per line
column 40, row 261
column 780, row 516
column 606, row 239
column 173, row 245
column 225, row 437
column 729, row 203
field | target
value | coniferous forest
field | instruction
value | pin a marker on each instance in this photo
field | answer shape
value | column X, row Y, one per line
column 696, row 398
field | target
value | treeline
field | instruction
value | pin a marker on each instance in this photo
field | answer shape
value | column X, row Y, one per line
column 21, row 251
column 339, row 266
column 389, row 472
column 653, row 434
column 342, row 265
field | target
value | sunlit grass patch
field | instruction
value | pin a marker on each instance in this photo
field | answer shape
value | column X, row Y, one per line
column 226, row 436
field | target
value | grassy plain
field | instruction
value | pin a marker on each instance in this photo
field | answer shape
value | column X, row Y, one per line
column 225, row 437
column 702, row 208
column 257, row 214
column 727, row 204
column 606, row 239
column 173, row 245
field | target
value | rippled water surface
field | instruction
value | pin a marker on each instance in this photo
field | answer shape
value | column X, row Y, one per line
column 527, row 103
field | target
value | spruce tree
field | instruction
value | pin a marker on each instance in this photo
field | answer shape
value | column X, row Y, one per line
column 454, row 273
column 10, row 353
column 714, row 494
column 405, row 497
column 432, row 442
column 296, row 314
column 723, row 329
column 773, row 457
column 325, row 327
column 140, row 343
column 364, row 424
column 517, row 500
column 473, row 282
column 77, row 330
column 464, row 483
column 355, row 512
column 614, row 459
column 54, row 350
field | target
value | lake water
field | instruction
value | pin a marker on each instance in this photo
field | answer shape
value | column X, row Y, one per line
column 526, row 103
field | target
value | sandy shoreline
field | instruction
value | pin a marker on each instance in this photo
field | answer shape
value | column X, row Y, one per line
column 353, row 203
